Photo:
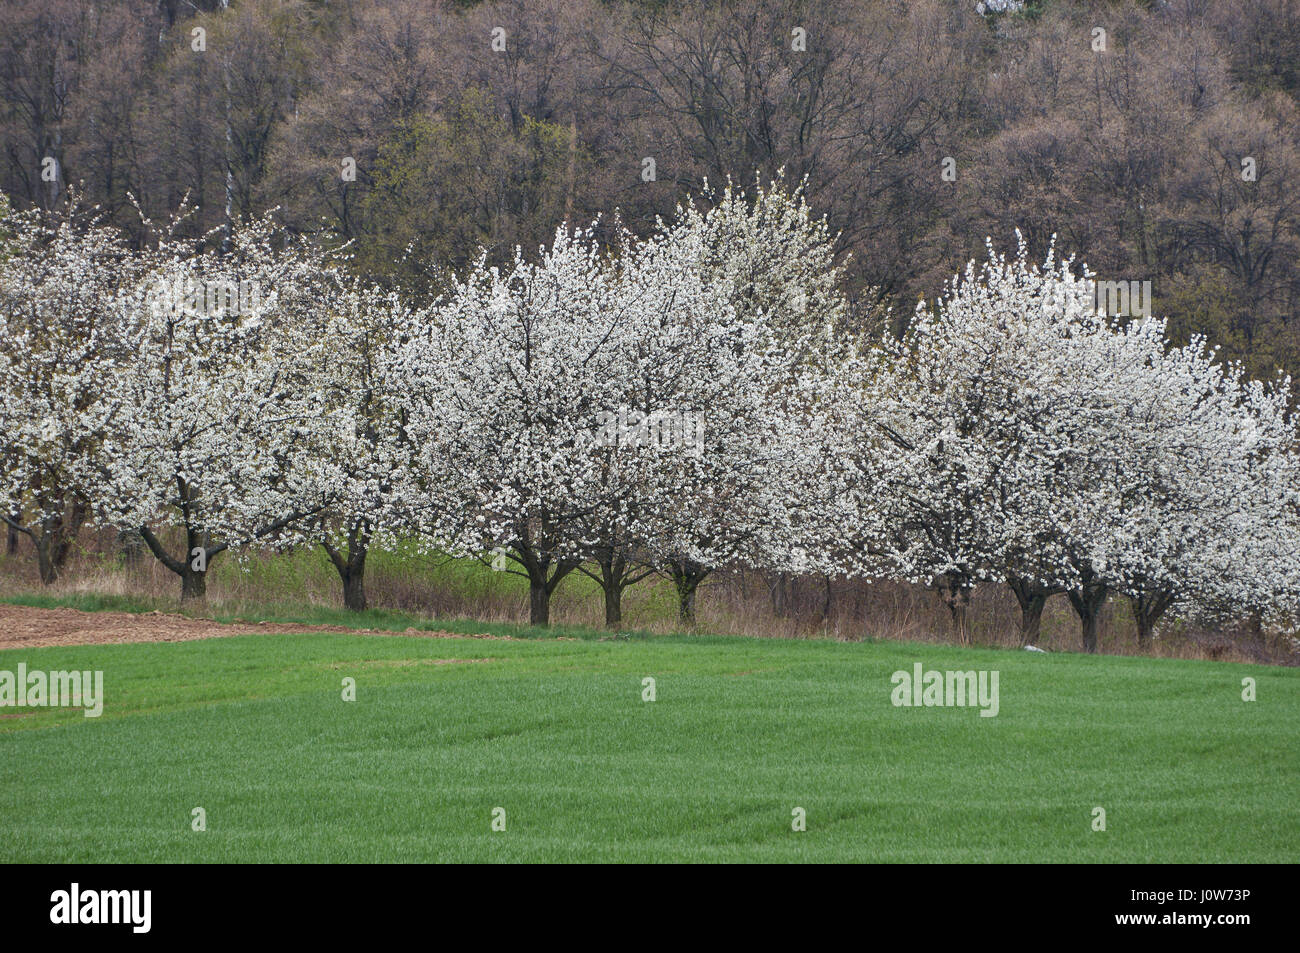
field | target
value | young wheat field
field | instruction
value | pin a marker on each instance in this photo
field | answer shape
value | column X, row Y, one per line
column 516, row 747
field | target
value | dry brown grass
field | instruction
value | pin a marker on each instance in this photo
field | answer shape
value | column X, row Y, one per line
column 729, row 603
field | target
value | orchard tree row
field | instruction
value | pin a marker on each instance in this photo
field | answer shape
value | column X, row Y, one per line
column 678, row 403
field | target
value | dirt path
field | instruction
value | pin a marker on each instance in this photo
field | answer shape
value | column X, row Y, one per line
column 28, row 627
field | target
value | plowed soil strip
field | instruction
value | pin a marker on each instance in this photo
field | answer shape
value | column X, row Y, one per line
column 30, row 627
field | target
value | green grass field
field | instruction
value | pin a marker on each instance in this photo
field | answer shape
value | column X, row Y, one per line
column 254, row 730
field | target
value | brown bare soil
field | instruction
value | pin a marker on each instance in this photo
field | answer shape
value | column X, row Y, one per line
column 30, row 627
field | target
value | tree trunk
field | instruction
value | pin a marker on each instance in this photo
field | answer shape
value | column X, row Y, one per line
column 957, row 595
column 613, row 579
column 780, row 599
column 687, row 576
column 613, row 606
column 686, row 604
column 1145, row 620
column 1032, row 598
column 544, row 577
column 1088, row 601
column 67, row 533
column 11, row 542
column 616, row 574
column 539, row 602
column 194, row 579
column 194, row 584
column 53, row 545
column 960, row 621
column 1088, row 631
column 1147, row 611
column 1144, row 628
column 354, row 587
column 45, row 560
column 1031, row 619
column 351, row 566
